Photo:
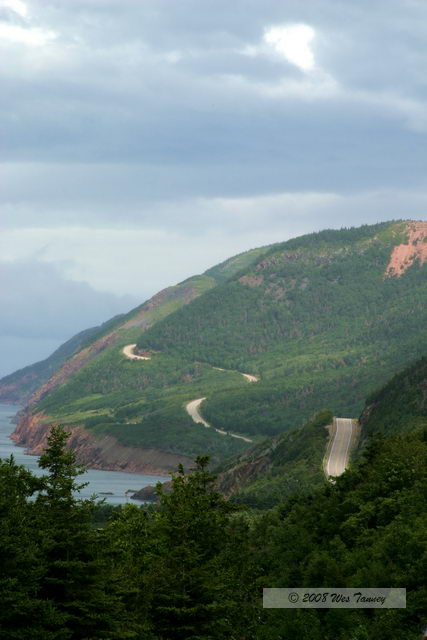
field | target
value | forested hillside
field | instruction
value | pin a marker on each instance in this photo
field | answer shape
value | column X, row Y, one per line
column 401, row 405
column 195, row 566
column 320, row 320
column 279, row 467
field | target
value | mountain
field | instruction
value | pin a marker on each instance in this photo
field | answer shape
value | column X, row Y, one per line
column 261, row 342
column 281, row 467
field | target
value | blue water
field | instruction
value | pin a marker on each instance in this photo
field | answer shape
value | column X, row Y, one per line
column 100, row 481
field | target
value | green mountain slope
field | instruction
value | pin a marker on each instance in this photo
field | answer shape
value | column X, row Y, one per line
column 317, row 319
column 280, row 467
column 292, row 463
column 314, row 318
column 401, row 405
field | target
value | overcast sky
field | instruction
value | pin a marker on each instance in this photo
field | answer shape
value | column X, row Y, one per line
column 143, row 141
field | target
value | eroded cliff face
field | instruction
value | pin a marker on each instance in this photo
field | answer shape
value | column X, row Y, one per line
column 404, row 255
column 141, row 319
column 104, row 453
column 252, row 464
column 12, row 394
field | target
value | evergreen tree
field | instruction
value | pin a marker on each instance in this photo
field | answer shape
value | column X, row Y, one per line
column 75, row 580
column 191, row 587
column 22, row 612
column 129, row 541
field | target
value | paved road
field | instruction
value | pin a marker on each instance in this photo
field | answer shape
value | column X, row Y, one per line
column 192, row 409
column 340, row 449
column 128, row 351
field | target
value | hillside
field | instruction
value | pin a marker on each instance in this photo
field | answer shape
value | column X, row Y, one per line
column 320, row 320
column 401, row 405
column 316, row 319
column 284, row 466
column 280, row 467
column 290, row 464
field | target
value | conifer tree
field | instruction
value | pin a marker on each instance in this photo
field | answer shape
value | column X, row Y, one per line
column 192, row 588
column 22, row 612
column 75, row 580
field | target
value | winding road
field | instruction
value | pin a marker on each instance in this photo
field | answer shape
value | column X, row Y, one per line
column 192, row 409
column 340, row 449
column 345, row 429
column 249, row 377
column 128, row 351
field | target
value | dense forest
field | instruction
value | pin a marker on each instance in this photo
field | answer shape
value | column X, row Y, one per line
column 401, row 405
column 194, row 566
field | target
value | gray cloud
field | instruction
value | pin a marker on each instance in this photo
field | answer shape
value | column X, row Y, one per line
column 38, row 302
column 114, row 93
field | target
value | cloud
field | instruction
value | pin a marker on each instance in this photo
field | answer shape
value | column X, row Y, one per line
column 16, row 28
column 38, row 302
column 17, row 6
column 168, row 83
column 31, row 37
column 293, row 42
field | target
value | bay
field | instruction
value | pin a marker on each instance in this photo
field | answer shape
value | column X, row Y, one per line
column 100, row 482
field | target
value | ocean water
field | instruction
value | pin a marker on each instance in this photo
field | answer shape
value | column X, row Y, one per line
column 100, row 482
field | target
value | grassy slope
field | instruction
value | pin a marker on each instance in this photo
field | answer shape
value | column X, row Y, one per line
column 314, row 317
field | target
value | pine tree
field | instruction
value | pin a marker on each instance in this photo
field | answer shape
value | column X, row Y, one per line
column 22, row 612
column 192, row 588
column 75, row 581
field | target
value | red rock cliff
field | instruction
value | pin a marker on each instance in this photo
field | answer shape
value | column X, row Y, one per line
column 104, row 453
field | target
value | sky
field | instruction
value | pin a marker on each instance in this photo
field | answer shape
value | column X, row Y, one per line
column 143, row 141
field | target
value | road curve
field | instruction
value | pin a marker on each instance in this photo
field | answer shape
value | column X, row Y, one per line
column 128, row 351
column 192, row 409
column 249, row 377
column 339, row 452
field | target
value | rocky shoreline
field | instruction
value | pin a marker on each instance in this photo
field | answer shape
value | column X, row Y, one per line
column 104, row 453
